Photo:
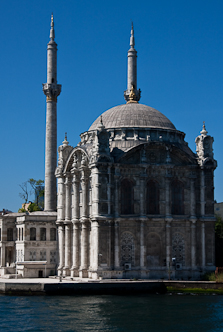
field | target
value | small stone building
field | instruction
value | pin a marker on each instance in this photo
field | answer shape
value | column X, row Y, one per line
column 28, row 244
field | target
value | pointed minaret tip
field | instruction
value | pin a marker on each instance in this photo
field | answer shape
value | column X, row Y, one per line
column 132, row 39
column 132, row 94
column 52, row 32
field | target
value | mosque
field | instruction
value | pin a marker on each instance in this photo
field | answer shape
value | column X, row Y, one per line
column 132, row 201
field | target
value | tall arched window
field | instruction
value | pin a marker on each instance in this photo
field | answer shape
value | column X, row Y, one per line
column 152, row 197
column 127, row 204
column 177, row 197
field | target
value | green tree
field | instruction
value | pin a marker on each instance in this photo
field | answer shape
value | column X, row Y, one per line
column 25, row 192
column 37, row 189
column 33, row 207
column 30, row 187
column 219, row 227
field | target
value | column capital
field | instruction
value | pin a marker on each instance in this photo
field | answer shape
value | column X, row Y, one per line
column 193, row 221
column 168, row 221
column 75, row 221
column 60, row 224
column 67, row 223
column 67, row 179
column 84, row 221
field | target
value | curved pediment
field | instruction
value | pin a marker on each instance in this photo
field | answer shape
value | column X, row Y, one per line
column 77, row 158
column 158, row 153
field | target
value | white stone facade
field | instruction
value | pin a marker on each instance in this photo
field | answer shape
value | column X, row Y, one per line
column 129, row 216
column 28, row 239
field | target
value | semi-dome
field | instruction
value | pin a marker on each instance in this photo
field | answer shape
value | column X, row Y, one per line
column 133, row 115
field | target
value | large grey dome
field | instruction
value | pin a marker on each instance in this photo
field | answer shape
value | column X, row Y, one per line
column 133, row 115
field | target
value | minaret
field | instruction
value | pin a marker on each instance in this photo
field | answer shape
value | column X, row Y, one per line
column 51, row 89
column 132, row 94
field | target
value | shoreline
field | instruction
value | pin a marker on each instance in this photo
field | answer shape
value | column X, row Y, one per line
column 53, row 286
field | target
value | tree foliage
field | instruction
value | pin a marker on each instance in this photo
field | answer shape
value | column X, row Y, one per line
column 25, row 192
column 33, row 207
column 32, row 187
column 37, row 189
column 219, row 227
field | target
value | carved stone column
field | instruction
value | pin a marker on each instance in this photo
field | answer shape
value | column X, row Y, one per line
column 203, row 244
column 75, row 196
column 117, row 260
column 3, row 255
column 61, row 248
column 75, row 266
column 84, row 250
column 68, row 197
column 94, row 247
column 168, row 210
column 193, row 223
column 109, row 190
column 142, row 247
column 193, row 244
column 60, row 199
column 143, row 194
column 95, row 190
column 168, row 243
column 75, row 221
column 116, row 196
column 202, row 193
column 109, row 244
column 192, row 198
column 66, row 269
column 84, row 181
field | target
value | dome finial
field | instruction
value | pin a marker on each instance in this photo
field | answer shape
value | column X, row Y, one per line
column 132, row 96
column 132, row 71
column 65, row 142
column 101, row 125
column 204, row 131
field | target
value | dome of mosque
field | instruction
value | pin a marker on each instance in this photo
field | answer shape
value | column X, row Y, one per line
column 133, row 115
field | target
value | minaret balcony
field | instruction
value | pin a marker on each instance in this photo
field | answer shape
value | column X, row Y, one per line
column 52, row 91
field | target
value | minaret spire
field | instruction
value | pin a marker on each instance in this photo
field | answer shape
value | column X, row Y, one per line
column 52, row 90
column 132, row 94
column 52, row 32
column 132, row 39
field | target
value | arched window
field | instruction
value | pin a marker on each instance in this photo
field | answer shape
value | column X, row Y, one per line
column 152, row 197
column 177, row 197
column 32, row 234
column 127, row 204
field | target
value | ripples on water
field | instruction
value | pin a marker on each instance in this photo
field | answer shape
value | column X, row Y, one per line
column 153, row 313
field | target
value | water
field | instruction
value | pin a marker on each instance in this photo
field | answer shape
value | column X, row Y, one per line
column 181, row 313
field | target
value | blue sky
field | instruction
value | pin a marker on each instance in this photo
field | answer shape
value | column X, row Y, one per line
column 180, row 73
